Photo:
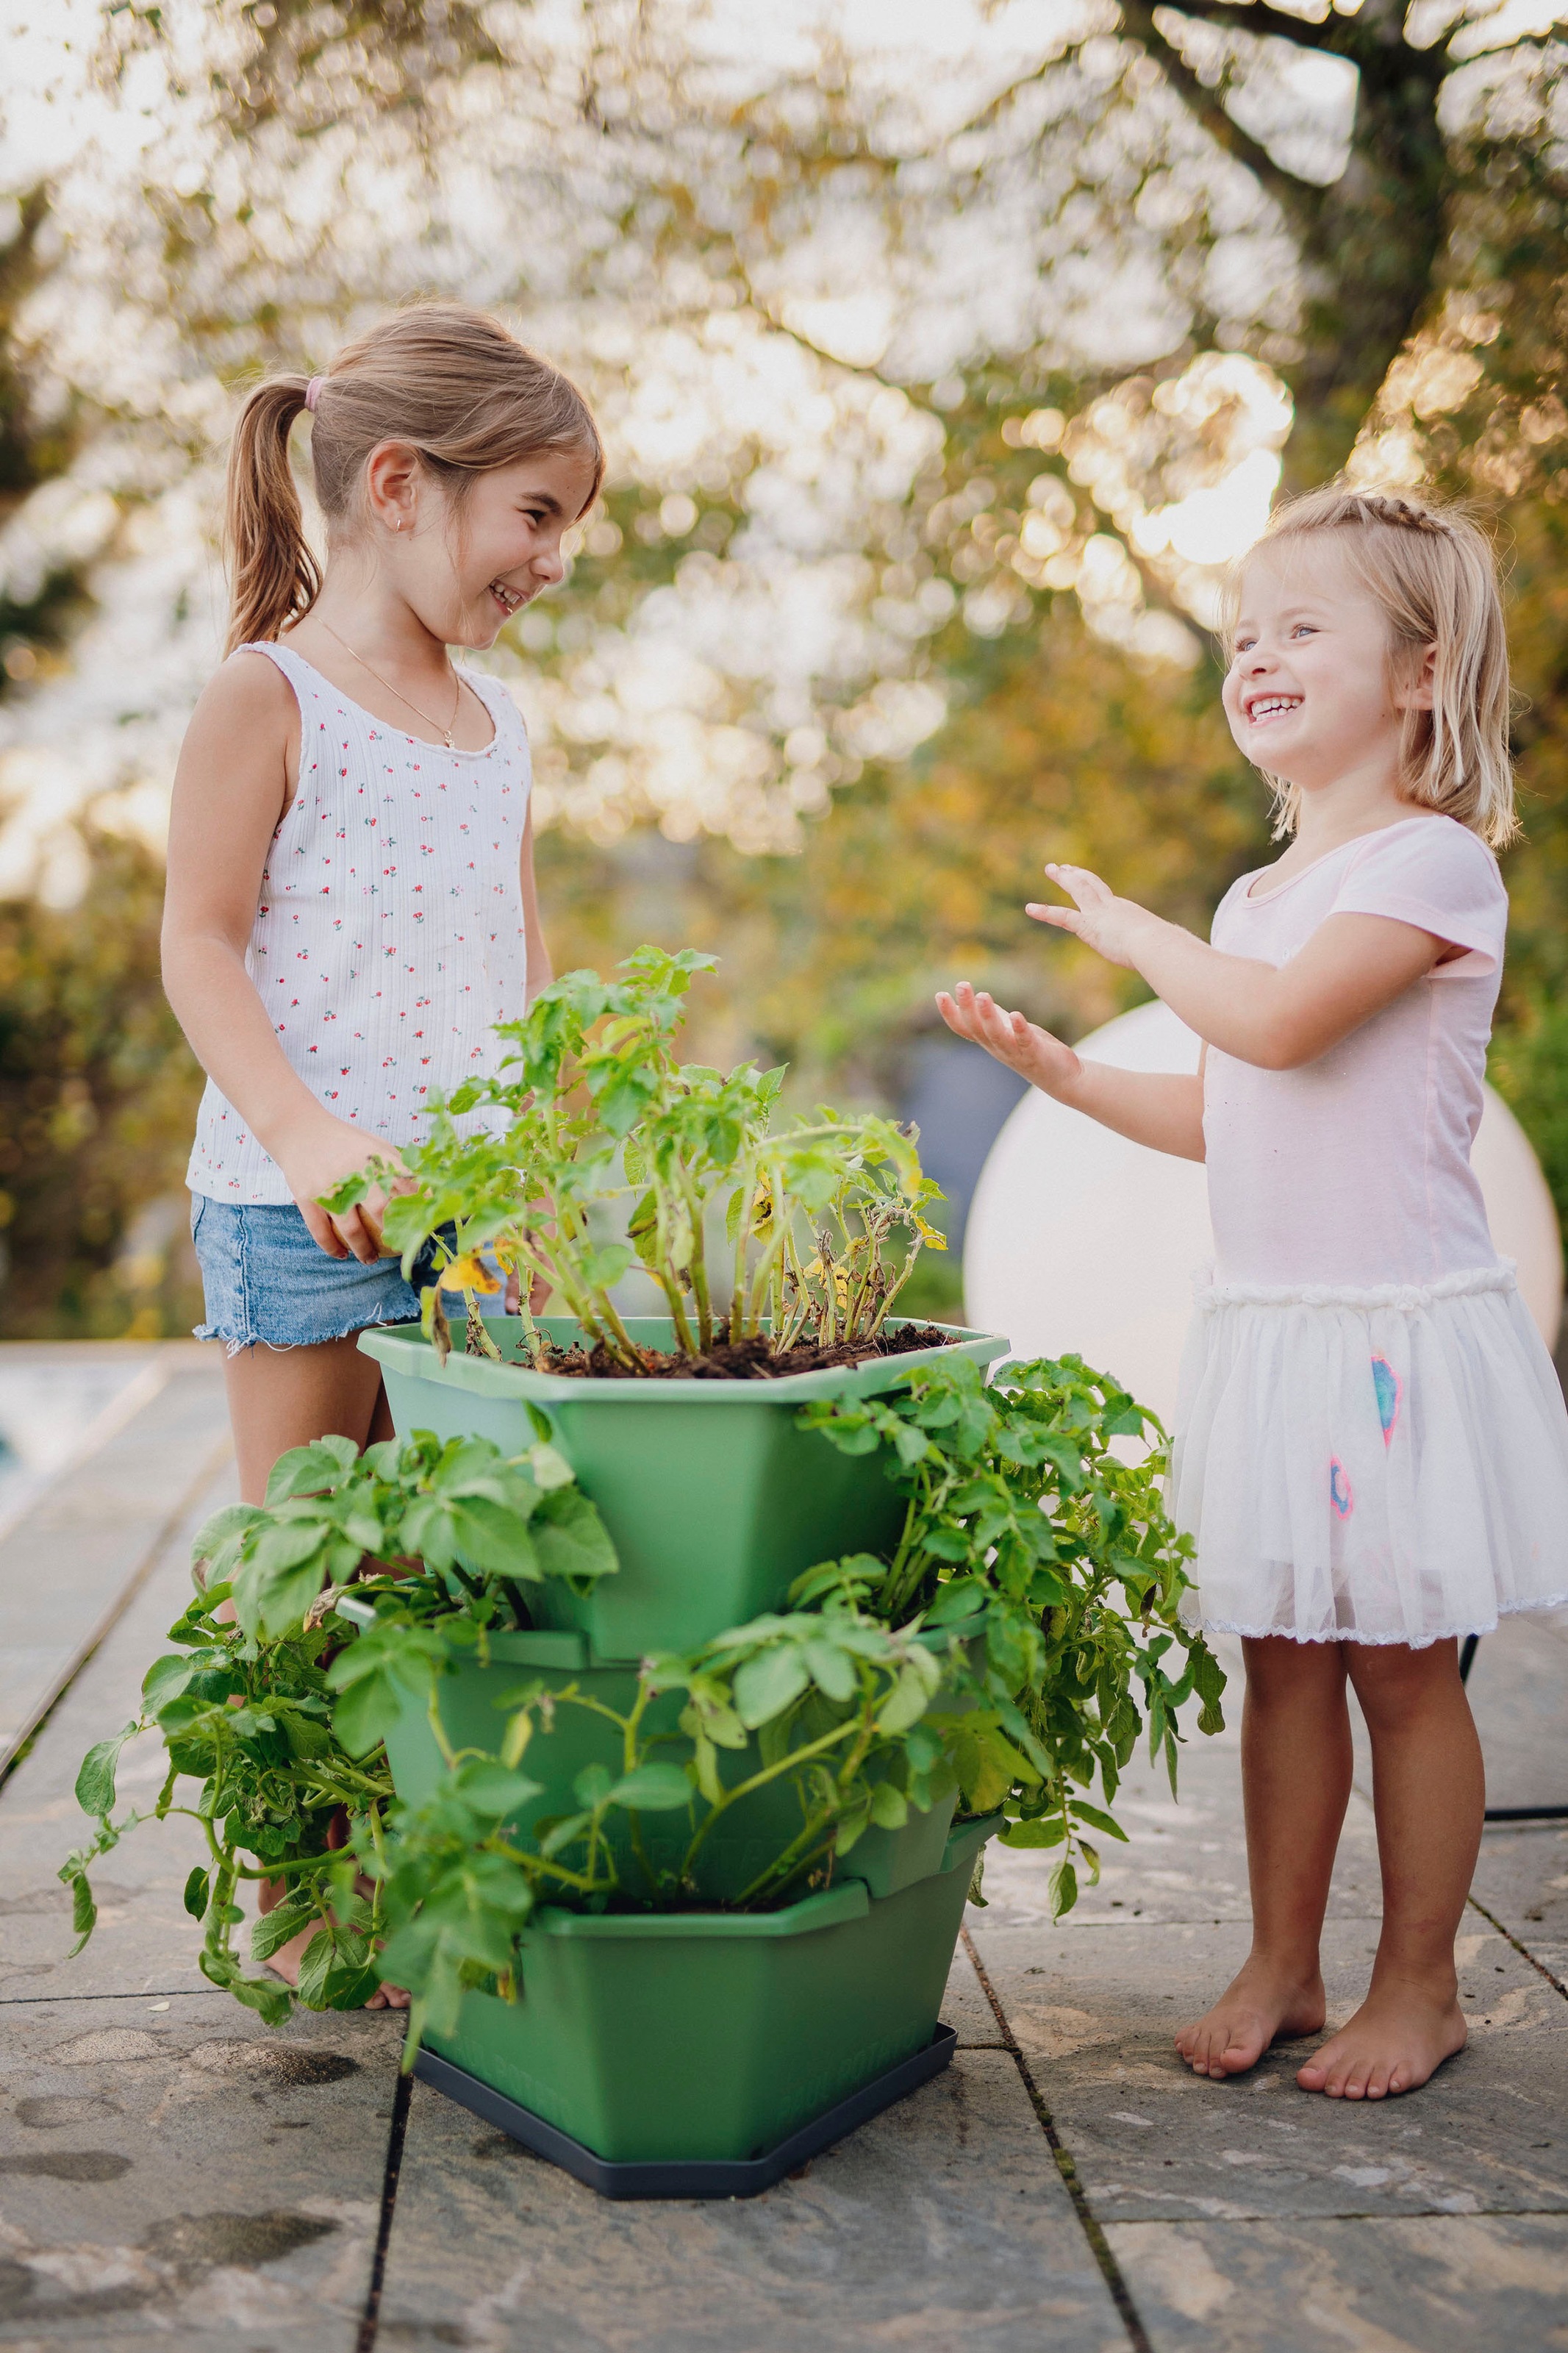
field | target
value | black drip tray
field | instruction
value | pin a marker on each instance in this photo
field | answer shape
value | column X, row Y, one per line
column 718, row 2178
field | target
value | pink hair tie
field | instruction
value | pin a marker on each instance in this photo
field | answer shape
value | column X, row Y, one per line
column 312, row 392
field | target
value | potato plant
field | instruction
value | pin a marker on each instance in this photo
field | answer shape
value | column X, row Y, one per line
column 247, row 1706
column 1019, row 1507
column 591, row 1109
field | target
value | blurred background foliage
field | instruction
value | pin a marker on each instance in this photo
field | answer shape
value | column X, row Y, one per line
column 945, row 355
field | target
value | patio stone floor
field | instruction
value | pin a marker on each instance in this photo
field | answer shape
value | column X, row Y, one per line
column 172, row 2175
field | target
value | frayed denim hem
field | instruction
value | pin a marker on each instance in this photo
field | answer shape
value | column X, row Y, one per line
column 236, row 1348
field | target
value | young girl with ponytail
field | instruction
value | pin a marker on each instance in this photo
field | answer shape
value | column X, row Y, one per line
column 351, row 898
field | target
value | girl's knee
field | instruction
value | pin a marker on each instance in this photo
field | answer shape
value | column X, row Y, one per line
column 1280, row 1672
column 1393, row 1682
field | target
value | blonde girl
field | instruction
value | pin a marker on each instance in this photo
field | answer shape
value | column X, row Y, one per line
column 1372, row 1449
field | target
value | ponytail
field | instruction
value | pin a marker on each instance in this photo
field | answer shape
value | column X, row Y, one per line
column 275, row 578
column 448, row 380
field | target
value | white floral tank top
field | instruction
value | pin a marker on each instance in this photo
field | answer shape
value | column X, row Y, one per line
column 388, row 938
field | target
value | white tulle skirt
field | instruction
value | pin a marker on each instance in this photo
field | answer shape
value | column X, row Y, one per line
column 1382, row 1465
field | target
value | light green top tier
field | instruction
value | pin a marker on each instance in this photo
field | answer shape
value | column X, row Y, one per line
column 714, row 1497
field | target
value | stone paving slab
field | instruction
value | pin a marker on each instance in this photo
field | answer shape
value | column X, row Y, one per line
column 944, row 2222
column 1248, row 2211
column 1522, row 1880
column 144, row 1942
column 1093, row 2011
column 174, row 2174
column 1436, row 2284
column 66, row 1568
column 1519, row 1691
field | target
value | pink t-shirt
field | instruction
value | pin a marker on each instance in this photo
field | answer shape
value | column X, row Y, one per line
column 1355, row 1169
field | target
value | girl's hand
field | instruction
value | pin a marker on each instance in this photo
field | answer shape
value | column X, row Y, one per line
column 1034, row 1053
column 328, row 1151
column 1114, row 928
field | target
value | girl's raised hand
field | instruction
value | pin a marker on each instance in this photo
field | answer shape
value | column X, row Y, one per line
column 1109, row 925
column 1034, row 1053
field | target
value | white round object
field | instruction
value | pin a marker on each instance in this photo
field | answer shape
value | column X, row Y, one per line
column 1078, row 1240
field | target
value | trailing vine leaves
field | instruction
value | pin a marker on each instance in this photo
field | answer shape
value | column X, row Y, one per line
column 1024, row 1632
column 1018, row 1506
column 829, row 1702
column 254, row 1707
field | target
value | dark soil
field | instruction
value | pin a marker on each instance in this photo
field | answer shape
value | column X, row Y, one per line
column 750, row 1360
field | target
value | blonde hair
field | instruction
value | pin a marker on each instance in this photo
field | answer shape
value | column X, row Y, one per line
column 1433, row 574
column 449, row 381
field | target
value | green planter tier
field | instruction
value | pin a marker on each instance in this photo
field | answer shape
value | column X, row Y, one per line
column 760, row 1827
column 714, row 1497
column 710, row 2039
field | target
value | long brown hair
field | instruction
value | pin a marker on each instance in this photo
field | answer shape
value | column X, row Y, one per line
column 449, row 381
column 1434, row 573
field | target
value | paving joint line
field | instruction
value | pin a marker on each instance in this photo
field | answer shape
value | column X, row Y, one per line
column 1522, row 1948
column 370, row 2320
column 1100, row 2246
column 27, row 1737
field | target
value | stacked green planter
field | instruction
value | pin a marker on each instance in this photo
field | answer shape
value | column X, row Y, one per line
column 686, row 2053
column 471, row 1696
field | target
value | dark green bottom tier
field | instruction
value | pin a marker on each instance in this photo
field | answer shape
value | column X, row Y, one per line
column 712, row 2036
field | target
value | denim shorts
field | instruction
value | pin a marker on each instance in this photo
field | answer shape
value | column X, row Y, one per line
column 266, row 1279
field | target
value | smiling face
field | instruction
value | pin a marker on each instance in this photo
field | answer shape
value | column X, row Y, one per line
column 465, row 567
column 1312, row 694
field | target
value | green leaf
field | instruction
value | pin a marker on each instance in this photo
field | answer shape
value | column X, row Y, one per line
column 652, row 1788
column 95, row 1779
column 832, row 1669
column 314, row 1470
column 1046, row 1830
column 494, row 1789
column 766, row 1685
column 889, row 1807
column 275, row 1928
column 196, row 1890
column 84, row 1911
column 269, row 2000
column 549, row 1467
column 908, row 1702
column 315, row 1965
column 570, row 1539
column 1083, row 1812
column 492, row 1540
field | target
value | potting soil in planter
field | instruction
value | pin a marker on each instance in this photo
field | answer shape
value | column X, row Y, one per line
column 707, row 2037
column 714, row 1497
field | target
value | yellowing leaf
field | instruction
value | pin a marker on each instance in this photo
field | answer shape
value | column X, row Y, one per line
column 468, row 1272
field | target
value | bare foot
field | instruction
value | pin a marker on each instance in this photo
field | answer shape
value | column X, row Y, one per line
column 1260, row 2005
column 1401, row 2034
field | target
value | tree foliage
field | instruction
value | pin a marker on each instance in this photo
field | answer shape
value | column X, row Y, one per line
column 916, row 377
column 98, row 1095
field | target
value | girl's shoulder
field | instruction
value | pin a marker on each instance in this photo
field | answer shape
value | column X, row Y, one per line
column 1430, row 855
column 247, row 692
column 497, row 697
column 1433, row 872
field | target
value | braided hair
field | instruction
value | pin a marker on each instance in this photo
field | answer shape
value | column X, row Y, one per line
column 1434, row 573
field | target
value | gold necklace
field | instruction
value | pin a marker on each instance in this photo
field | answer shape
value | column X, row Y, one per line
column 444, row 732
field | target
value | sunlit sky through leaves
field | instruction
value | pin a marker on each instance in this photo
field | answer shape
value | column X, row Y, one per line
column 778, row 257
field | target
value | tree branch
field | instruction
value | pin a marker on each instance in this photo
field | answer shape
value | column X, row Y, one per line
column 1299, row 199
column 1262, row 22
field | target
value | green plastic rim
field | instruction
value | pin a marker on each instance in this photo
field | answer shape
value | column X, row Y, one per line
column 408, row 1351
